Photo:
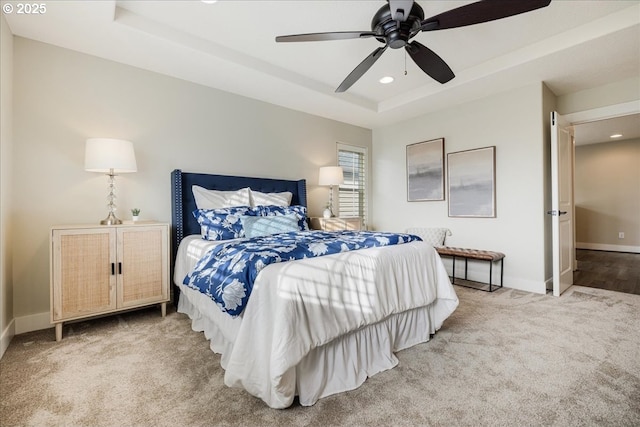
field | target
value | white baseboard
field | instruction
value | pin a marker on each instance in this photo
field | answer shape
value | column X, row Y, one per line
column 605, row 247
column 8, row 333
column 479, row 271
column 548, row 284
column 33, row 322
column 533, row 286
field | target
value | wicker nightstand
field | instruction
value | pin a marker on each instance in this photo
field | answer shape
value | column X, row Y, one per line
column 98, row 270
column 335, row 223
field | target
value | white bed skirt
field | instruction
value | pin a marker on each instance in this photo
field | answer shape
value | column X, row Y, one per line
column 338, row 366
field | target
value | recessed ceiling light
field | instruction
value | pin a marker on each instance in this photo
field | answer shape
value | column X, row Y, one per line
column 209, row 1
column 386, row 80
column 616, row 135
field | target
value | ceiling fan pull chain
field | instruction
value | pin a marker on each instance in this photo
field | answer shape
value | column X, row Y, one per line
column 405, row 62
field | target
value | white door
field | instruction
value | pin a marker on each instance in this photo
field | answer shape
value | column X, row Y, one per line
column 562, row 203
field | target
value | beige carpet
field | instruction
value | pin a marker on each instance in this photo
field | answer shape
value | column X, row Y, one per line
column 508, row 359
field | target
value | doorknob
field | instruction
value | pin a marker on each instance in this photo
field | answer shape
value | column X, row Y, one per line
column 556, row 213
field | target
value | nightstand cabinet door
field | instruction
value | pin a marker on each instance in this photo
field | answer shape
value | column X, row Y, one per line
column 142, row 265
column 83, row 281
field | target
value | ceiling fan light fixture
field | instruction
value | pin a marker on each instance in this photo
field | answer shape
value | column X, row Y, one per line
column 386, row 80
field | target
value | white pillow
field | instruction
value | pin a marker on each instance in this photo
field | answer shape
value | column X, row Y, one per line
column 216, row 199
column 433, row 236
column 270, row 199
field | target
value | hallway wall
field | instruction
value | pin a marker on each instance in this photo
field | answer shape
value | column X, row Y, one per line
column 607, row 196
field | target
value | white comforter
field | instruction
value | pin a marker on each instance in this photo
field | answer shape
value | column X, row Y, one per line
column 299, row 306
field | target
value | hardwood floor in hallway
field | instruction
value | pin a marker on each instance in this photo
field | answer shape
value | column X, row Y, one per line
column 615, row 271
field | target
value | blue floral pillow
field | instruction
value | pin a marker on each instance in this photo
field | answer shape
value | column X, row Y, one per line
column 272, row 210
column 223, row 223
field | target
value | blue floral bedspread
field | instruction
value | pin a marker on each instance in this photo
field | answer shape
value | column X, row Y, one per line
column 226, row 274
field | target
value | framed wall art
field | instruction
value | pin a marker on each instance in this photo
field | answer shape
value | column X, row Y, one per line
column 425, row 170
column 471, row 175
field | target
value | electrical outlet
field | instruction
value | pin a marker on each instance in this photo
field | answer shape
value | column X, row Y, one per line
column 621, row 235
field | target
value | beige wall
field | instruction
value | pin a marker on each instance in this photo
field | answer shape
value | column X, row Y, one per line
column 63, row 97
column 602, row 96
column 6, row 143
column 511, row 121
column 607, row 193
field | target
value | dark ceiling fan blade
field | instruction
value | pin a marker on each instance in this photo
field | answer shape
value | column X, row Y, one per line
column 317, row 37
column 430, row 62
column 481, row 11
column 361, row 69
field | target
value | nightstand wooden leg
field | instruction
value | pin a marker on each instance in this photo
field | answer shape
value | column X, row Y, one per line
column 163, row 309
column 59, row 331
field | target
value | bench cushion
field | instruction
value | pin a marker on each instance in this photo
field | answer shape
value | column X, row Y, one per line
column 471, row 253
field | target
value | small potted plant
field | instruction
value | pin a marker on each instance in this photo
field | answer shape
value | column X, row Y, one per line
column 135, row 212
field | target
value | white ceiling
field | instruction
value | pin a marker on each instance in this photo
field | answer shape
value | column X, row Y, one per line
column 571, row 45
column 600, row 131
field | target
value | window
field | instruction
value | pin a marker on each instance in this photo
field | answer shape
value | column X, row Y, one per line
column 352, row 194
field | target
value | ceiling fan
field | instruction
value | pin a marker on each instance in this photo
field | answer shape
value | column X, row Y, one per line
column 397, row 22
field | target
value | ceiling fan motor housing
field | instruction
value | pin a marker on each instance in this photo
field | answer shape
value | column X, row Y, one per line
column 394, row 33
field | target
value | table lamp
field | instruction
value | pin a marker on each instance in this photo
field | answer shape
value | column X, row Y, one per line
column 331, row 175
column 110, row 156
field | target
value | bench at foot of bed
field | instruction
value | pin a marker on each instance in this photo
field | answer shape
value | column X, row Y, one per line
column 475, row 254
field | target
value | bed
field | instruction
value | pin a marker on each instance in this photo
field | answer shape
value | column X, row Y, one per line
column 311, row 327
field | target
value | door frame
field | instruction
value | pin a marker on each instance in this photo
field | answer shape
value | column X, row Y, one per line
column 562, row 204
column 602, row 113
column 594, row 115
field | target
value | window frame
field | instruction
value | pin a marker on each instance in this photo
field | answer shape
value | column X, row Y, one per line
column 364, row 151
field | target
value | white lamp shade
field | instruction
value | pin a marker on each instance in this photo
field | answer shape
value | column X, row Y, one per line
column 330, row 175
column 106, row 154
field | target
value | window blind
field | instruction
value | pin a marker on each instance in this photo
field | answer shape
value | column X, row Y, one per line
column 352, row 194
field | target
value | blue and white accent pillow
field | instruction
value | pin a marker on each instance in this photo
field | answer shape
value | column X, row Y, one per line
column 227, row 224
column 258, row 226
column 223, row 223
column 272, row 210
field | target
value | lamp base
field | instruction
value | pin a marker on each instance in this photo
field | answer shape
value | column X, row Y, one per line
column 111, row 219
